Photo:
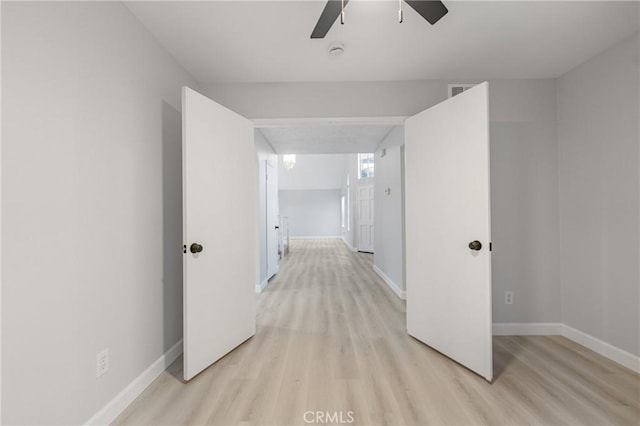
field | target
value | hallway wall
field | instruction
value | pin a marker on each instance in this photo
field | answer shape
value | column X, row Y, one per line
column 388, row 254
column 310, row 194
column 313, row 171
column 312, row 213
column 91, row 206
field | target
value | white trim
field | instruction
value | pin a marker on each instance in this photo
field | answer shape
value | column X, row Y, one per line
column 0, row 244
column 393, row 286
column 260, row 287
column 347, row 243
column 603, row 348
column 328, row 121
column 315, row 238
column 607, row 350
column 121, row 401
column 526, row 328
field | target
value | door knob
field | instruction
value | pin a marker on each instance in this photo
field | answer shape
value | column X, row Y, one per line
column 475, row 245
column 195, row 248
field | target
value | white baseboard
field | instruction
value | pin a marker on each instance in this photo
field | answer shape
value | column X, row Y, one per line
column 526, row 328
column 315, row 238
column 260, row 287
column 121, row 401
column 603, row 348
column 348, row 245
column 393, row 286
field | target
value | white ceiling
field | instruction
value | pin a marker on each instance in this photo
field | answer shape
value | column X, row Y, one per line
column 325, row 139
column 267, row 41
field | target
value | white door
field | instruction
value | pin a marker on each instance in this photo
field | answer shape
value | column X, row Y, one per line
column 447, row 208
column 364, row 197
column 273, row 222
column 219, row 183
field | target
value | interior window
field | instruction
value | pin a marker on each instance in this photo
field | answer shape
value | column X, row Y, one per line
column 365, row 165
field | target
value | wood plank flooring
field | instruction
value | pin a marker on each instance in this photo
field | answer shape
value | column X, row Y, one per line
column 331, row 338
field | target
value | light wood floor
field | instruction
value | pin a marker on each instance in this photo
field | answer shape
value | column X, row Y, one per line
column 331, row 337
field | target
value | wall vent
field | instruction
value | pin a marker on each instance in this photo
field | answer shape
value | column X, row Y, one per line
column 456, row 89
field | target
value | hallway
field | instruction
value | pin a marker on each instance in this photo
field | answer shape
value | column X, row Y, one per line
column 331, row 337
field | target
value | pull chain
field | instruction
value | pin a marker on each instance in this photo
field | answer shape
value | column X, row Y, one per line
column 400, row 14
column 342, row 14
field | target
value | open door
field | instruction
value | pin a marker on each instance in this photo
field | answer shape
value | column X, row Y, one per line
column 448, row 239
column 364, row 198
column 220, row 183
column 273, row 221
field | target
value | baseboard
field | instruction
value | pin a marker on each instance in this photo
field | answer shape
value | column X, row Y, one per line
column 603, row 348
column 315, row 238
column 260, row 287
column 118, row 404
column 348, row 245
column 393, row 286
column 526, row 328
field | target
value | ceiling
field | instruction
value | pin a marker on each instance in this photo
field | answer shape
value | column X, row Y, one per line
column 325, row 139
column 267, row 41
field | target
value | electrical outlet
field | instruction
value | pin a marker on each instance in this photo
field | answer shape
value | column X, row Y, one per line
column 508, row 298
column 102, row 362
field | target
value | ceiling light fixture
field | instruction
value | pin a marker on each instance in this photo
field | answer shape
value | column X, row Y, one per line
column 431, row 10
column 289, row 161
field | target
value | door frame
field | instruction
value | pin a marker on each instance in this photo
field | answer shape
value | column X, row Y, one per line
column 269, row 231
column 390, row 120
column 265, row 123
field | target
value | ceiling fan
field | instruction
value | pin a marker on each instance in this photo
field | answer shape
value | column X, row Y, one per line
column 431, row 10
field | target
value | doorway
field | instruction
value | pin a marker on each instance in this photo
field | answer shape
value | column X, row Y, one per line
column 438, row 199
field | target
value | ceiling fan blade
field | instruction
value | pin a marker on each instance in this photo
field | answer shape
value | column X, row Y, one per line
column 431, row 10
column 329, row 15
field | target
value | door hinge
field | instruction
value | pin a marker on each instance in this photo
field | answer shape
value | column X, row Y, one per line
column 490, row 246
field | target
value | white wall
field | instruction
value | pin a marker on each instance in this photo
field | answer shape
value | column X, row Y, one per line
column 310, row 194
column 352, row 99
column 598, row 141
column 265, row 153
column 524, row 200
column 91, row 206
column 312, row 212
column 313, row 171
column 389, row 239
